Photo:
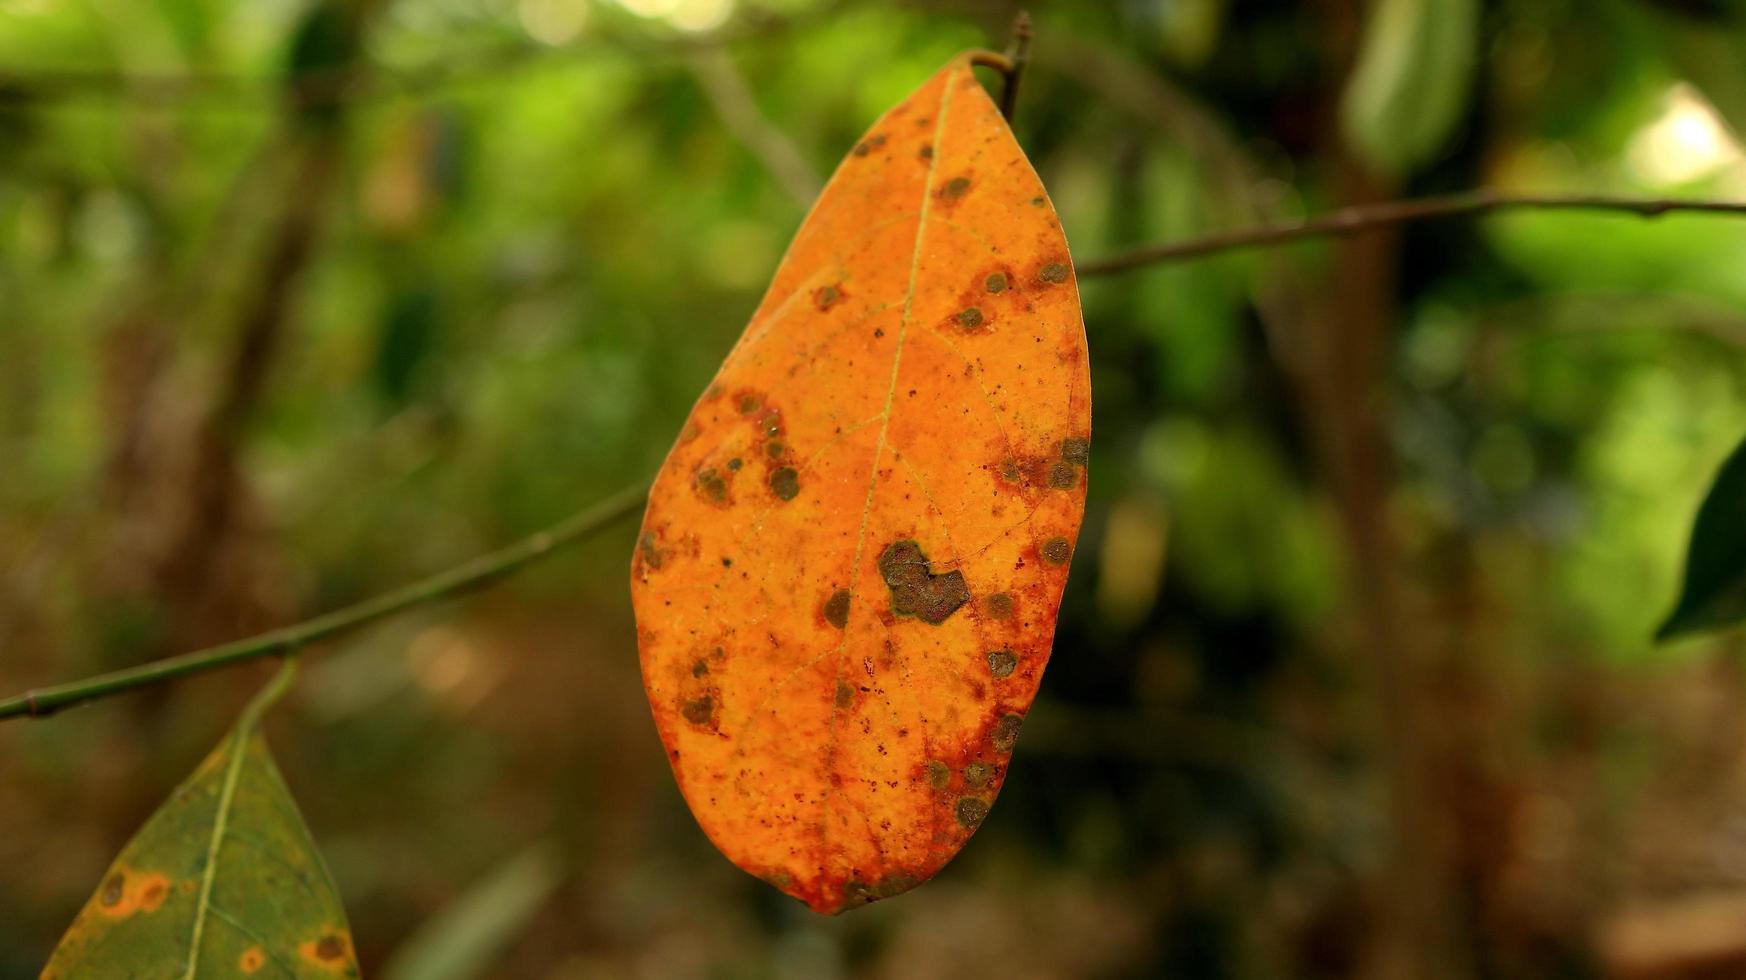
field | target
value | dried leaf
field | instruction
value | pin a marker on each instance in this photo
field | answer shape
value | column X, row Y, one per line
column 223, row 881
column 851, row 564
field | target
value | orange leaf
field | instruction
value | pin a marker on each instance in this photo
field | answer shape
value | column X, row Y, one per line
column 852, row 561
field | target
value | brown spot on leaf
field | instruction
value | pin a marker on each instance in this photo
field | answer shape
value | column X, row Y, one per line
column 858, row 893
column 971, row 810
column 825, row 297
column 836, row 609
column 969, row 319
column 845, row 695
column 1001, row 663
column 331, row 952
column 699, row 668
column 955, row 188
column 995, row 283
column 917, row 591
column 711, row 485
column 1054, row 272
column 1005, row 734
column 153, row 889
column 113, row 890
column 652, row 555
column 749, row 402
column 977, row 774
column 939, row 776
column 1056, row 551
column 1076, row 450
column 1063, row 475
column 698, row 711
column 785, row 483
column 998, row 606
column 252, row 959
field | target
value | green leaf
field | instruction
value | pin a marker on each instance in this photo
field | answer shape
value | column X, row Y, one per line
column 1412, row 82
column 223, row 881
column 1715, row 566
column 460, row 942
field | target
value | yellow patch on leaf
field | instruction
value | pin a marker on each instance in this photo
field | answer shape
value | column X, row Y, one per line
column 851, row 564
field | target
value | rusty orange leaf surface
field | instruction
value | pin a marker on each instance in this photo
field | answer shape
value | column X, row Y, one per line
column 849, row 572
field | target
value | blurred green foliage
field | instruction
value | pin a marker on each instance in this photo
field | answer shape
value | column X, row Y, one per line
column 540, row 242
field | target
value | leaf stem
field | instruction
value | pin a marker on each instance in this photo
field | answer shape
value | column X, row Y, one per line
column 1351, row 220
column 1011, row 64
column 475, row 574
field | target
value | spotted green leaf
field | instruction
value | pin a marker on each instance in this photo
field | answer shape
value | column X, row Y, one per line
column 223, row 881
column 1714, row 594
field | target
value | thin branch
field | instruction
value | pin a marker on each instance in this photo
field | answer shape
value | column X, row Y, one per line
column 1018, row 53
column 1348, row 221
column 464, row 578
column 726, row 89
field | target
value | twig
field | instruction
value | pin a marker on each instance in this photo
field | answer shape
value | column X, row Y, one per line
column 726, row 89
column 1347, row 221
column 1018, row 53
column 474, row 574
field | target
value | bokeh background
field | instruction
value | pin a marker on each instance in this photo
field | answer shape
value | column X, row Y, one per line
column 301, row 299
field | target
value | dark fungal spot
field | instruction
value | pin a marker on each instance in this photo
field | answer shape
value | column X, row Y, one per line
column 652, row 556
column 1001, row 663
column 749, row 404
column 735, row 463
column 858, row 893
column 836, row 609
column 114, row 887
column 845, row 695
column 998, row 606
column 711, row 484
column 939, row 777
column 916, row 591
column 995, row 283
column 1037, row 201
column 1056, row 551
column 1005, row 734
column 969, row 319
column 698, row 711
column 1076, row 450
column 330, row 948
column 955, row 188
column 926, row 153
column 785, row 483
column 699, row 668
column 1053, row 272
column 1062, row 475
column 977, row 774
column 970, row 811
column 825, row 297
column 774, row 449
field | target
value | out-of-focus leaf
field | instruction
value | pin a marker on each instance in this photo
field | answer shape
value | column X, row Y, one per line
column 1714, row 593
column 409, row 327
column 223, row 881
column 852, row 561
column 461, row 941
column 1412, row 82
